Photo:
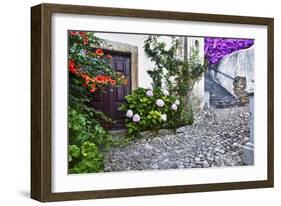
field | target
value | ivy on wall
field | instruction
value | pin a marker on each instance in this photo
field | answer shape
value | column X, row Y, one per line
column 172, row 72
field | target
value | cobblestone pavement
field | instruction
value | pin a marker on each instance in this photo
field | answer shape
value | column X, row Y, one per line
column 214, row 140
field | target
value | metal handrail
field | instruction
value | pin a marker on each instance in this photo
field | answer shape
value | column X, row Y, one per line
column 223, row 74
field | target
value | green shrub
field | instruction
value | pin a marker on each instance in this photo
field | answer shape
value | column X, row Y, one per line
column 85, row 127
column 186, row 117
column 151, row 110
column 88, row 140
column 85, row 159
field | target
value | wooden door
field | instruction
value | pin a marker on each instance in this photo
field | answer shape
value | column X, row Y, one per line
column 111, row 98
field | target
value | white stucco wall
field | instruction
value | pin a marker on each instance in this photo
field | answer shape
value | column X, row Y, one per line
column 240, row 63
column 197, row 95
column 145, row 64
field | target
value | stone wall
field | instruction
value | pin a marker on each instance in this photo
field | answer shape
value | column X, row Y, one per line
column 239, row 87
column 240, row 63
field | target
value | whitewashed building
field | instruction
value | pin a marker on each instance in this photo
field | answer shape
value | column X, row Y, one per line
column 140, row 63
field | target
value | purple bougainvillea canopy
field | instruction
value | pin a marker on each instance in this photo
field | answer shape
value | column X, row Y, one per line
column 216, row 48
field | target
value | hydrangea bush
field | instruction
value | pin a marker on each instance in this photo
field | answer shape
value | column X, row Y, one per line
column 148, row 109
column 216, row 48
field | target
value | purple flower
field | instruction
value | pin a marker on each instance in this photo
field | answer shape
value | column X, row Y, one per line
column 149, row 93
column 216, row 48
column 136, row 118
column 160, row 103
column 129, row 113
column 174, row 107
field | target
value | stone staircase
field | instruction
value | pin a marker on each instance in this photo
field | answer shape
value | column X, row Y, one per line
column 219, row 96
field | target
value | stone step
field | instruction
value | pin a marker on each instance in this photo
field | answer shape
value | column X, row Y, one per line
column 219, row 96
column 223, row 99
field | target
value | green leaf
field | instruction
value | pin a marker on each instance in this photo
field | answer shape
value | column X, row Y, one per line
column 88, row 148
column 74, row 151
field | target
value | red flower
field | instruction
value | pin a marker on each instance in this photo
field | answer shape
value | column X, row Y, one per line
column 109, row 56
column 107, row 79
column 93, row 88
column 102, row 79
column 73, row 33
column 113, row 82
column 99, row 79
column 71, row 66
column 82, row 33
column 87, row 79
column 85, row 40
column 99, row 52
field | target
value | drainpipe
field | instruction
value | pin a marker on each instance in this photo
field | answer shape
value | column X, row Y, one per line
column 185, row 44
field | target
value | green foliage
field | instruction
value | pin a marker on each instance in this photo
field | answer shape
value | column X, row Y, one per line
column 186, row 117
column 74, row 151
column 84, row 126
column 85, row 159
column 152, row 116
column 88, row 140
column 171, row 71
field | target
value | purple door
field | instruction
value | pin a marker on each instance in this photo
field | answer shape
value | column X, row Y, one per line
column 111, row 98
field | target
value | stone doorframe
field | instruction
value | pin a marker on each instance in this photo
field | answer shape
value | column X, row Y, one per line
column 126, row 48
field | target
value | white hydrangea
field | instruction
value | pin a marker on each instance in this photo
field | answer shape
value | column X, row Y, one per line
column 136, row 118
column 163, row 117
column 174, row 107
column 129, row 113
column 160, row 103
column 177, row 102
column 149, row 93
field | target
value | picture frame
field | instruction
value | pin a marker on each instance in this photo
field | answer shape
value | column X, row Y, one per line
column 41, row 101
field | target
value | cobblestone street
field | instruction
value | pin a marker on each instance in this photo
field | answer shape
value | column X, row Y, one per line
column 214, row 140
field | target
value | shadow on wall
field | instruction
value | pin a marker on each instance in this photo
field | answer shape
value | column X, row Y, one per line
column 24, row 193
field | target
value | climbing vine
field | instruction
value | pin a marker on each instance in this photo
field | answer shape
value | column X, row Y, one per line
column 172, row 72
